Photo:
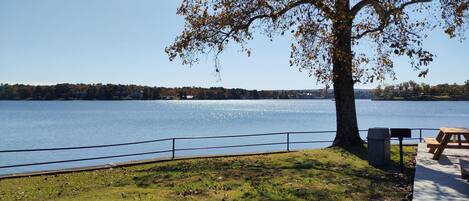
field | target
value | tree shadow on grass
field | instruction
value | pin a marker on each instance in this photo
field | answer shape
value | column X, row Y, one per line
column 259, row 170
column 262, row 177
column 391, row 166
column 272, row 178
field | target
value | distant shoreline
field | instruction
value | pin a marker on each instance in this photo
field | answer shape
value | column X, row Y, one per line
column 412, row 91
column 66, row 100
column 135, row 92
column 420, row 99
column 124, row 100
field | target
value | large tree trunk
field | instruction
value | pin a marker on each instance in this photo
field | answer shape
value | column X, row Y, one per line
column 347, row 129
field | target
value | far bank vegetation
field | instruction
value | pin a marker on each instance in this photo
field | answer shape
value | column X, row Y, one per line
column 414, row 91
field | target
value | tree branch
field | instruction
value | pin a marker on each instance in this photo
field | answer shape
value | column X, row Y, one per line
column 274, row 15
column 362, row 4
column 381, row 11
column 324, row 8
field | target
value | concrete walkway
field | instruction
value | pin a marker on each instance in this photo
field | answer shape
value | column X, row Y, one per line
column 440, row 180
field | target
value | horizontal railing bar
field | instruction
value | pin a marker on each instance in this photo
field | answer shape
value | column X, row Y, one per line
column 308, row 132
column 228, row 136
column 178, row 138
column 406, row 138
column 231, row 146
column 310, row 142
column 83, row 147
column 414, row 138
column 84, row 159
column 424, row 129
column 259, row 134
column 253, row 135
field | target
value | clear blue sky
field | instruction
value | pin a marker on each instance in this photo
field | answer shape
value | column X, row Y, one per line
column 122, row 41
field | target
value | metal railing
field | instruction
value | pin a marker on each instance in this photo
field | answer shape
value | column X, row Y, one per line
column 420, row 138
column 174, row 148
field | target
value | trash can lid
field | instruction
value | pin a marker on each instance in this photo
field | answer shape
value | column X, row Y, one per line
column 378, row 133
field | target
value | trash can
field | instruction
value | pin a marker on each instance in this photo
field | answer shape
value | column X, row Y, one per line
column 379, row 146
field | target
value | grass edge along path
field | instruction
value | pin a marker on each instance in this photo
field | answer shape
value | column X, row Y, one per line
column 319, row 174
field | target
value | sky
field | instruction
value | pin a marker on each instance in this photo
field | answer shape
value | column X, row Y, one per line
column 123, row 41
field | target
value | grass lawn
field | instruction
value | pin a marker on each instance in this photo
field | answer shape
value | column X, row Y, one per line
column 321, row 174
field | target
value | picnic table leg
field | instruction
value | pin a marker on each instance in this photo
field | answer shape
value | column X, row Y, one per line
column 459, row 140
column 466, row 136
column 438, row 138
column 441, row 148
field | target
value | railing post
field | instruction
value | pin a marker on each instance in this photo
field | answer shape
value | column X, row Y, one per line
column 174, row 145
column 420, row 135
column 288, row 142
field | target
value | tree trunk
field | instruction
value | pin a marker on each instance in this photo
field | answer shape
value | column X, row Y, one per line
column 346, row 118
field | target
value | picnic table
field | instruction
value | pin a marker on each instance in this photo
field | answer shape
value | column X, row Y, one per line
column 443, row 140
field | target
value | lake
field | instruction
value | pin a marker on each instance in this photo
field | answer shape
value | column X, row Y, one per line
column 44, row 124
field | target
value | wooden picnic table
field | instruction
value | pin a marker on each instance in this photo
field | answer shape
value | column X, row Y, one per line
column 443, row 140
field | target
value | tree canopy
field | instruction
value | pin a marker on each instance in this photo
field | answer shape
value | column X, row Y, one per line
column 391, row 28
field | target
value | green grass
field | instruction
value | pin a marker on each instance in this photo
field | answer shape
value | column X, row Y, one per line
column 322, row 174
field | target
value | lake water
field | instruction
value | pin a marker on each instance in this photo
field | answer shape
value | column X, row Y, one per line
column 26, row 124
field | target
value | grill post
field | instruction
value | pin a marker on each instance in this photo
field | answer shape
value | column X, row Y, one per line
column 173, row 150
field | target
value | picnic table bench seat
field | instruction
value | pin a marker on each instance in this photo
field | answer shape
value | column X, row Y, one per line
column 433, row 143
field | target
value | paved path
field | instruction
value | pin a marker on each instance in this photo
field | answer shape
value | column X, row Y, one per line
column 440, row 180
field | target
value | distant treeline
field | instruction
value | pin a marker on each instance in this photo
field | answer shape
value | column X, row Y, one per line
column 413, row 91
column 135, row 92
